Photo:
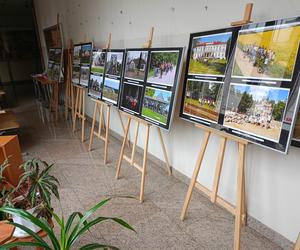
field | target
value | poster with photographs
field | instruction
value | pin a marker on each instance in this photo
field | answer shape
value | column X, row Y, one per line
column 208, row 56
column 136, row 64
column 54, row 64
column 131, row 97
column 97, row 74
column 150, row 83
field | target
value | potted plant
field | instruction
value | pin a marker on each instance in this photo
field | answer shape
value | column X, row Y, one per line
column 33, row 193
column 71, row 229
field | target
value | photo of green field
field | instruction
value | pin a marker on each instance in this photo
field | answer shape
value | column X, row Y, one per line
column 98, row 62
column 267, row 54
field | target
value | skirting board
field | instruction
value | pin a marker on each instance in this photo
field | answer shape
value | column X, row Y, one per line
column 254, row 224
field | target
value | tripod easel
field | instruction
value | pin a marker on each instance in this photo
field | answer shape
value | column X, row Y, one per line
column 99, row 106
column 79, row 109
column 239, row 210
column 130, row 160
column 69, row 94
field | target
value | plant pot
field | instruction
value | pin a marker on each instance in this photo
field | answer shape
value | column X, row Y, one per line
column 19, row 232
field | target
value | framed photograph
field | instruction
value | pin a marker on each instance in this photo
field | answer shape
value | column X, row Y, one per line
column 162, row 68
column 156, row 105
column 209, row 54
column 50, row 70
column 58, row 55
column 86, row 53
column 56, row 72
column 203, row 99
column 95, row 85
column 114, row 63
column 76, row 54
column 51, row 54
column 76, row 74
column 84, row 76
column 131, row 97
column 267, row 52
column 136, row 64
column 98, row 62
column 111, row 89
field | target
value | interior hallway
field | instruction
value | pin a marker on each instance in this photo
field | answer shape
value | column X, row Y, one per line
column 85, row 181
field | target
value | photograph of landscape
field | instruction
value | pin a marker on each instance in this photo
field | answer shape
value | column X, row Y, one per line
column 98, row 62
column 95, row 85
column 76, row 54
column 267, row 53
column 111, row 90
column 136, row 63
column 156, row 105
column 209, row 54
column 131, row 97
column 76, row 74
column 203, row 99
column 85, row 54
column 256, row 110
column 162, row 69
column 114, row 62
column 84, row 75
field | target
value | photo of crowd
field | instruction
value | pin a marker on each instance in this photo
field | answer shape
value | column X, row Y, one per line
column 114, row 62
column 136, row 63
column 98, row 62
column 162, row 69
column 156, row 105
column 267, row 53
column 131, row 97
column 257, row 110
column 95, row 85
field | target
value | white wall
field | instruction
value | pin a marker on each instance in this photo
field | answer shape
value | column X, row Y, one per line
column 273, row 179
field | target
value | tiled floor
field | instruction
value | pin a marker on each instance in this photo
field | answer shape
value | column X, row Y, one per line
column 85, row 180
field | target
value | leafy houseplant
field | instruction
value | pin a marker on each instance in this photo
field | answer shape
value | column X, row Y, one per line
column 70, row 230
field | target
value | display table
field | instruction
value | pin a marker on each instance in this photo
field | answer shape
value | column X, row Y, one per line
column 8, row 121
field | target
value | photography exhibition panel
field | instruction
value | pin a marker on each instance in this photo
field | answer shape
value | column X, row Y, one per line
column 246, row 84
column 54, row 64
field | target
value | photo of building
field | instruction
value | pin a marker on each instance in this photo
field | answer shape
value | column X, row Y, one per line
column 84, row 75
column 85, row 53
column 209, row 54
column 256, row 110
column 98, row 62
column 76, row 54
column 95, row 85
column 136, row 63
column 156, row 105
column 114, row 62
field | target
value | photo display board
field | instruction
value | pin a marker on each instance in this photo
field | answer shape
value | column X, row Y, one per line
column 54, row 64
column 97, row 74
column 82, row 54
column 150, row 82
column 256, row 97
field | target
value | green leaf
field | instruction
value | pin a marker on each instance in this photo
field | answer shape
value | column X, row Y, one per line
column 97, row 246
column 19, row 244
column 123, row 223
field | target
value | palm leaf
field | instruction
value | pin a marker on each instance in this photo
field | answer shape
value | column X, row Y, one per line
column 18, row 244
column 97, row 246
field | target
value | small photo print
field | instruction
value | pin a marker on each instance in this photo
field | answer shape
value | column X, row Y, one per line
column 85, row 53
column 52, row 55
column 56, row 72
column 162, row 69
column 114, row 62
column 267, row 53
column 84, row 75
column 95, row 85
column 57, row 57
column 156, row 105
column 111, row 90
column 256, row 110
column 131, row 97
column 76, row 74
column 136, row 64
column 203, row 99
column 209, row 54
column 76, row 54
column 98, row 62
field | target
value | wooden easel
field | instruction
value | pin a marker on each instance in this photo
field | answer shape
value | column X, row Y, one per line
column 130, row 160
column 79, row 109
column 239, row 210
column 99, row 106
column 69, row 94
column 297, row 244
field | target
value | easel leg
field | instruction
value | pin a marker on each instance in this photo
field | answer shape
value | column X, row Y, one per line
column 72, row 100
column 93, row 127
column 101, row 119
column 122, row 149
column 240, row 183
column 106, row 133
column 123, row 127
column 56, row 100
column 83, row 115
column 144, row 163
column 297, row 244
column 75, row 110
column 218, row 169
column 135, row 141
column 195, row 175
column 164, row 151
